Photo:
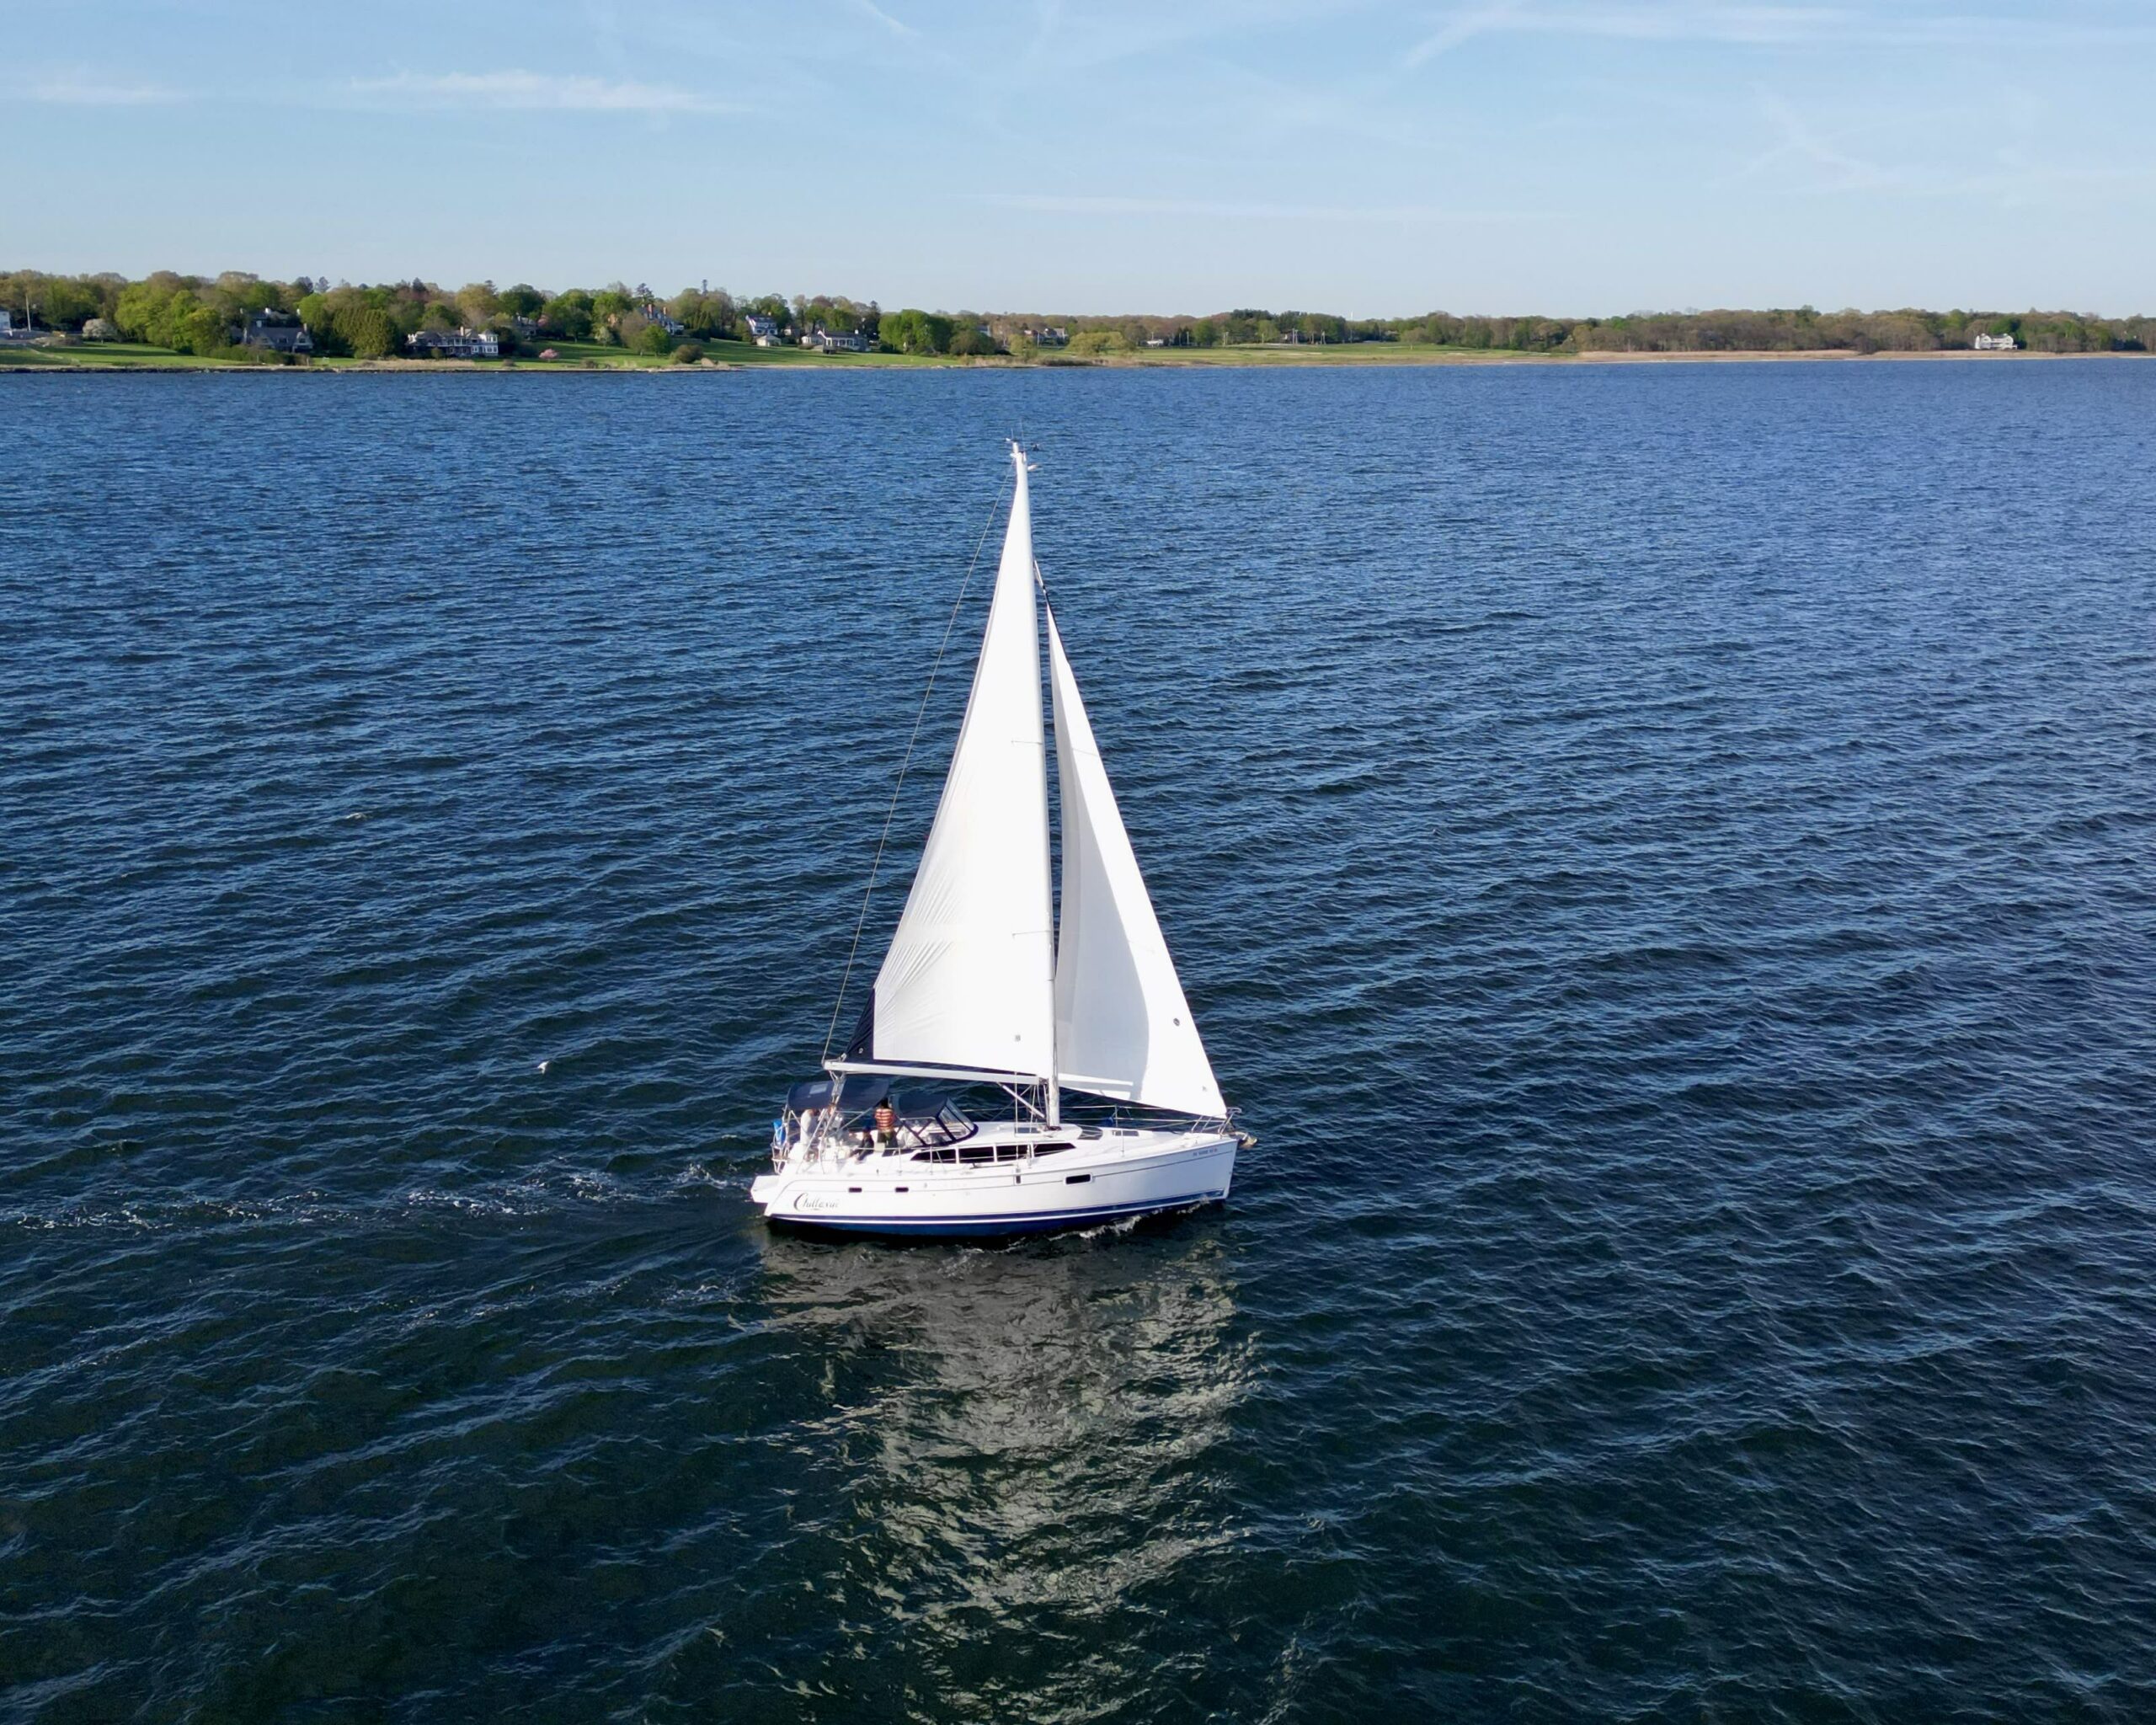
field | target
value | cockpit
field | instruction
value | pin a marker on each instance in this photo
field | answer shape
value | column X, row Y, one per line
column 870, row 1116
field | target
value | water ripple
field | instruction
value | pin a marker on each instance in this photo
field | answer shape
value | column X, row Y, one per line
column 1662, row 855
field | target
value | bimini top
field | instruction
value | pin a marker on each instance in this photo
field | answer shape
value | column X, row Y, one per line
column 863, row 1091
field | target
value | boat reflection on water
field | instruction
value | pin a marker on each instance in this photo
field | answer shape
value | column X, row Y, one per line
column 1026, row 1456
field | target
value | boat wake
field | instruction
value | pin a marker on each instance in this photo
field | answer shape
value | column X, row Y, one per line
column 563, row 1192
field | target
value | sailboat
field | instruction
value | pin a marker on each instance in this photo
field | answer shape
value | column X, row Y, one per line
column 1071, row 1015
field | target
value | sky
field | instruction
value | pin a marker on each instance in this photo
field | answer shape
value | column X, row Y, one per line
column 1570, row 157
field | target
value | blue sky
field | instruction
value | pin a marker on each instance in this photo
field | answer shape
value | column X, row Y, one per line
column 1555, row 156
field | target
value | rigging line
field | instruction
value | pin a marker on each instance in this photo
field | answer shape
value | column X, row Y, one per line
column 862, row 921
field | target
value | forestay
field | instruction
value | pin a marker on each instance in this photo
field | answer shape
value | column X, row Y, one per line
column 1123, row 1027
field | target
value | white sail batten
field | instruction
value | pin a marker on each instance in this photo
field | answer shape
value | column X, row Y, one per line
column 1122, row 1027
column 969, row 980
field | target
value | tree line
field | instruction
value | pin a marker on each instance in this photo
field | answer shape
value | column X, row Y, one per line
column 1804, row 329
column 207, row 316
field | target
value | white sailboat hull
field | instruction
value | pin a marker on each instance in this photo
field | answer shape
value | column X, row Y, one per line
column 1115, row 1177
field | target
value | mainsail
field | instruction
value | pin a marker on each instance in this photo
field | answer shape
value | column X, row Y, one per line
column 969, row 980
column 975, row 980
column 1123, row 1027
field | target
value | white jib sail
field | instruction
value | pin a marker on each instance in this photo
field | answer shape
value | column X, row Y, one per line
column 1123, row 1027
column 969, row 980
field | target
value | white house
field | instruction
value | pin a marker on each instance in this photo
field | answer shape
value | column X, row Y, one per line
column 464, row 345
column 1994, row 343
column 763, row 331
column 835, row 341
column 656, row 314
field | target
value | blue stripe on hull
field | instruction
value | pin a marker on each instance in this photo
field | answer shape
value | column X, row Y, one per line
column 985, row 1227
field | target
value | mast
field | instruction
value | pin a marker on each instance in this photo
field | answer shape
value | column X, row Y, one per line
column 1047, row 882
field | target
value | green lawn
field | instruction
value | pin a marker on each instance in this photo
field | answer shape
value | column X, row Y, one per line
column 106, row 355
column 576, row 354
column 584, row 355
column 1353, row 353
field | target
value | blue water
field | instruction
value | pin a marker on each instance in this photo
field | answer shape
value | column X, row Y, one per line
column 1662, row 856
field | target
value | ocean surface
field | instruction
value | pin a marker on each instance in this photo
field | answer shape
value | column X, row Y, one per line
column 1664, row 858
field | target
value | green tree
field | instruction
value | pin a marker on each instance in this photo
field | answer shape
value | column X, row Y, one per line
column 67, row 303
column 320, row 316
column 521, row 300
column 369, row 333
column 193, row 328
column 140, row 313
column 708, row 315
column 913, row 331
column 567, row 315
column 239, row 294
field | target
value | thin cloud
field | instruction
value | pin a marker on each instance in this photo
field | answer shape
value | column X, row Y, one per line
column 544, row 92
column 1808, row 161
column 1056, row 205
column 869, row 8
column 72, row 90
column 1718, row 21
column 1464, row 27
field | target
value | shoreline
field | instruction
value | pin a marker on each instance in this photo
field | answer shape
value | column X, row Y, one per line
column 1356, row 355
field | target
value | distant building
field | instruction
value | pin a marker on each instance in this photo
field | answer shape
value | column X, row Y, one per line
column 1994, row 343
column 1048, row 335
column 276, row 333
column 1156, row 341
column 763, row 331
column 458, row 345
column 835, row 341
column 657, row 313
column 527, row 328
